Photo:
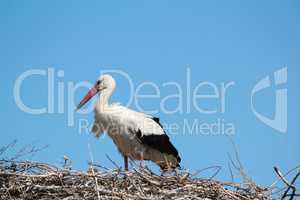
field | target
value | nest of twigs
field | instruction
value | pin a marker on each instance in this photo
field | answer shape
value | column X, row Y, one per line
column 34, row 180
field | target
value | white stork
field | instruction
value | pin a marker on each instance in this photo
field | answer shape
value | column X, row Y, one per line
column 138, row 136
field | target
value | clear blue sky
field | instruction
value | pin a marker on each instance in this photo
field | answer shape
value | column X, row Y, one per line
column 154, row 41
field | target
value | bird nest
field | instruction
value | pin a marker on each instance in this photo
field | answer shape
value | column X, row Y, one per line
column 35, row 180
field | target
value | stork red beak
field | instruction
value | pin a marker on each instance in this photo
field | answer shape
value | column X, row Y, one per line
column 92, row 92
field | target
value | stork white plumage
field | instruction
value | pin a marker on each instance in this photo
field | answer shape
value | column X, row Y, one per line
column 138, row 136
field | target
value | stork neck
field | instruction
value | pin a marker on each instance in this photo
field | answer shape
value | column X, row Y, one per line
column 103, row 99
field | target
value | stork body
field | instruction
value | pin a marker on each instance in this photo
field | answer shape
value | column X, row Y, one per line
column 138, row 136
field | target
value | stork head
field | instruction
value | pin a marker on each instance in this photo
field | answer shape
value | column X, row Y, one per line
column 104, row 83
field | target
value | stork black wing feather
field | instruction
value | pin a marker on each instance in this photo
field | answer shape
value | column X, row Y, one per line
column 156, row 119
column 159, row 142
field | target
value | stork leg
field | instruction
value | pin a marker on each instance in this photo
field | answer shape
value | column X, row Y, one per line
column 126, row 163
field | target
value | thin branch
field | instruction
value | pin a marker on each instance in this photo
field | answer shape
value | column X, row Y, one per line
column 93, row 172
column 290, row 185
column 113, row 162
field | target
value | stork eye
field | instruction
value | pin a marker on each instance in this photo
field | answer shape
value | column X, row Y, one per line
column 98, row 82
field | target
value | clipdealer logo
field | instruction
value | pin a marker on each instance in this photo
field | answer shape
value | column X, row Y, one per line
column 188, row 97
column 280, row 119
